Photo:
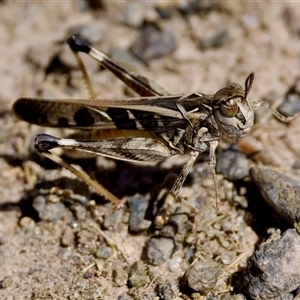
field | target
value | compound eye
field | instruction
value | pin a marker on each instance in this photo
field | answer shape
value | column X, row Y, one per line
column 229, row 108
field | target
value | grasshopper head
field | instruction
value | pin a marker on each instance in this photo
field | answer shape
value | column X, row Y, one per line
column 232, row 110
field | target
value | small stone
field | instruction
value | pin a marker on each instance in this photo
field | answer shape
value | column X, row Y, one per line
column 87, row 239
column 280, row 191
column 273, row 271
column 202, row 276
column 178, row 224
column 154, row 43
column 48, row 211
column 138, row 205
column 134, row 13
column 290, row 105
column 217, row 39
column 104, row 252
column 233, row 165
column 26, row 223
column 138, row 275
column 159, row 250
column 180, row 219
column 113, row 220
column 166, row 291
column 79, row 211
column 68, row 237
column 174, row 264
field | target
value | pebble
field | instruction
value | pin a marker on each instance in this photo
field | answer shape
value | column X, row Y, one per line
column 48, row 211
column 178, row 224
column 166, row 291
column 68, row 237
column 217, row 39
column 273, row 271
column 104, row 252
column 202, row 276
column 134, row 13
column 138, row 205
column 79, row 211
column 280, row 191
column 112, row 221
column 233, row 165
column 159, row 250
column 87, row 239
column 154, row 43
column 174, row 264
column 290, row 105
column 26, row 223
column 291, row 102
column 138, row 275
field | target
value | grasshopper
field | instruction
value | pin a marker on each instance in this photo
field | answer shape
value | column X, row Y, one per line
column 152, row 127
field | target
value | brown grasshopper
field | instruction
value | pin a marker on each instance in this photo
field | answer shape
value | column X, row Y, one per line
column 152, row 127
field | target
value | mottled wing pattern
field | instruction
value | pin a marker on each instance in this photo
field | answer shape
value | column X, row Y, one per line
column 155, row 114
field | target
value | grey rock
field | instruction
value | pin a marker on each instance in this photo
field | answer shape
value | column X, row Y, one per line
column 234, row 165
column 138, row 205
column 104, row 252
column 48, row 211
column 178, row 224
column 134, row 13
column 202, row 276
column 112, row 220
column 154, row 43
column 280, row 191
column 217, row 39
column 166, row 291
column 273, row 271
column 159, row 250
column 290, row 105
column 68, row 237
column 138, row 275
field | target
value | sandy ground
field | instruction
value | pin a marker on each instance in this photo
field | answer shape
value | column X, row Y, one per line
column 57, row 257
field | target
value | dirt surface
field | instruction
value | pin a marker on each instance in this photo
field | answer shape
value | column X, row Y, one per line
column 66, row 242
